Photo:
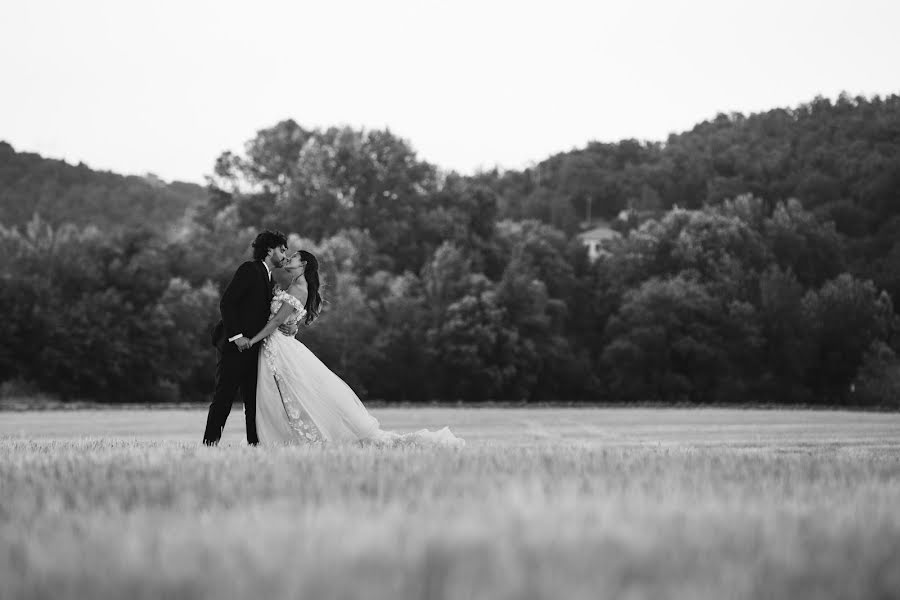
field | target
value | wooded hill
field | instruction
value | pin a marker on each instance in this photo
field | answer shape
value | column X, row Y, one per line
column 63, row 193
column 841, row 158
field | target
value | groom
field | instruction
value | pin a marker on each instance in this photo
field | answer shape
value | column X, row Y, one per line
column 245, row 311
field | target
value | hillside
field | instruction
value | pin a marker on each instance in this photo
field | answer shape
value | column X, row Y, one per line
column 840, row 158
column 64, row 193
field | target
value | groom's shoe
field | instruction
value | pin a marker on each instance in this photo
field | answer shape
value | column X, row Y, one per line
column 215, row 442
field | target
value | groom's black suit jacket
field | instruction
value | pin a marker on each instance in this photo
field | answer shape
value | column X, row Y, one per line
column 244, row 305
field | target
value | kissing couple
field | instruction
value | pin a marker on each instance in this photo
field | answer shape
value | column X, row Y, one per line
column 289, row 395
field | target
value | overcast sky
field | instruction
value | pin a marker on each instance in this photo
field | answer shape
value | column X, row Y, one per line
column 166, row 86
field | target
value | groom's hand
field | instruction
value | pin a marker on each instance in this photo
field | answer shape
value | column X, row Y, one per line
column 242, row 343
column 289, row 330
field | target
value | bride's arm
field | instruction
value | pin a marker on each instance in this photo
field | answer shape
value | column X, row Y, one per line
column 283, row 313
column 298, row 291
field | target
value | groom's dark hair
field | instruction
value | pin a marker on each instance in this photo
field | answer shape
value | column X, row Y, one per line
column 265, row 241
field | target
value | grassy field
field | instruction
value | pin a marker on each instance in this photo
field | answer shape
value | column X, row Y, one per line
column 544, row 503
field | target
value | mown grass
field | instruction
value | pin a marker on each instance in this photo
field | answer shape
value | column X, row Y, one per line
column 542, row 513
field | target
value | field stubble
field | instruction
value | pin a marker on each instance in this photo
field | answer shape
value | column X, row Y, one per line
column 541, row 504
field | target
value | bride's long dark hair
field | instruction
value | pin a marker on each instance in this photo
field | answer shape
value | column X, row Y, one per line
column 311, row 274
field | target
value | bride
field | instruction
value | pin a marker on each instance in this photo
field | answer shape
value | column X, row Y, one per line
column 298, row 398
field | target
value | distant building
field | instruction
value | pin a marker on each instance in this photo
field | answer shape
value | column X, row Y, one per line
column 593, row 238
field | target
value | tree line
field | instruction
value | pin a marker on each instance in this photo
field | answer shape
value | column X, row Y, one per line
column 758, row 261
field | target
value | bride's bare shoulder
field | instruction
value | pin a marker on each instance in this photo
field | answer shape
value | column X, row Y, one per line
column 298, row 290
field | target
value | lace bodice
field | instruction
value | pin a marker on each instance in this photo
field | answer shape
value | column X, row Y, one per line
column 280, row 298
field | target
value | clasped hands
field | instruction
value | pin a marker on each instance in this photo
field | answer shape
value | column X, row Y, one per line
column 243, row 342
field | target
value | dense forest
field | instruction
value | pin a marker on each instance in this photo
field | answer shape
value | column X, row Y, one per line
column 758, row 263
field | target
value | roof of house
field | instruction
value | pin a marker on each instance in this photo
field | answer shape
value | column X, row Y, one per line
column 598, row 234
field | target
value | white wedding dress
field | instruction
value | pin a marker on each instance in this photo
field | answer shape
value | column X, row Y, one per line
column 300, row 400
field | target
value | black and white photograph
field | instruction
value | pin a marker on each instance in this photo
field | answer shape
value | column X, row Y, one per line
column 432, row 300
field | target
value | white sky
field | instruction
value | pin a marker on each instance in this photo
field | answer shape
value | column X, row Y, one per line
column 166, row 86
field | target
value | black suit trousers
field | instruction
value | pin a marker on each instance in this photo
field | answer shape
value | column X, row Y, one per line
column 234, row 371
